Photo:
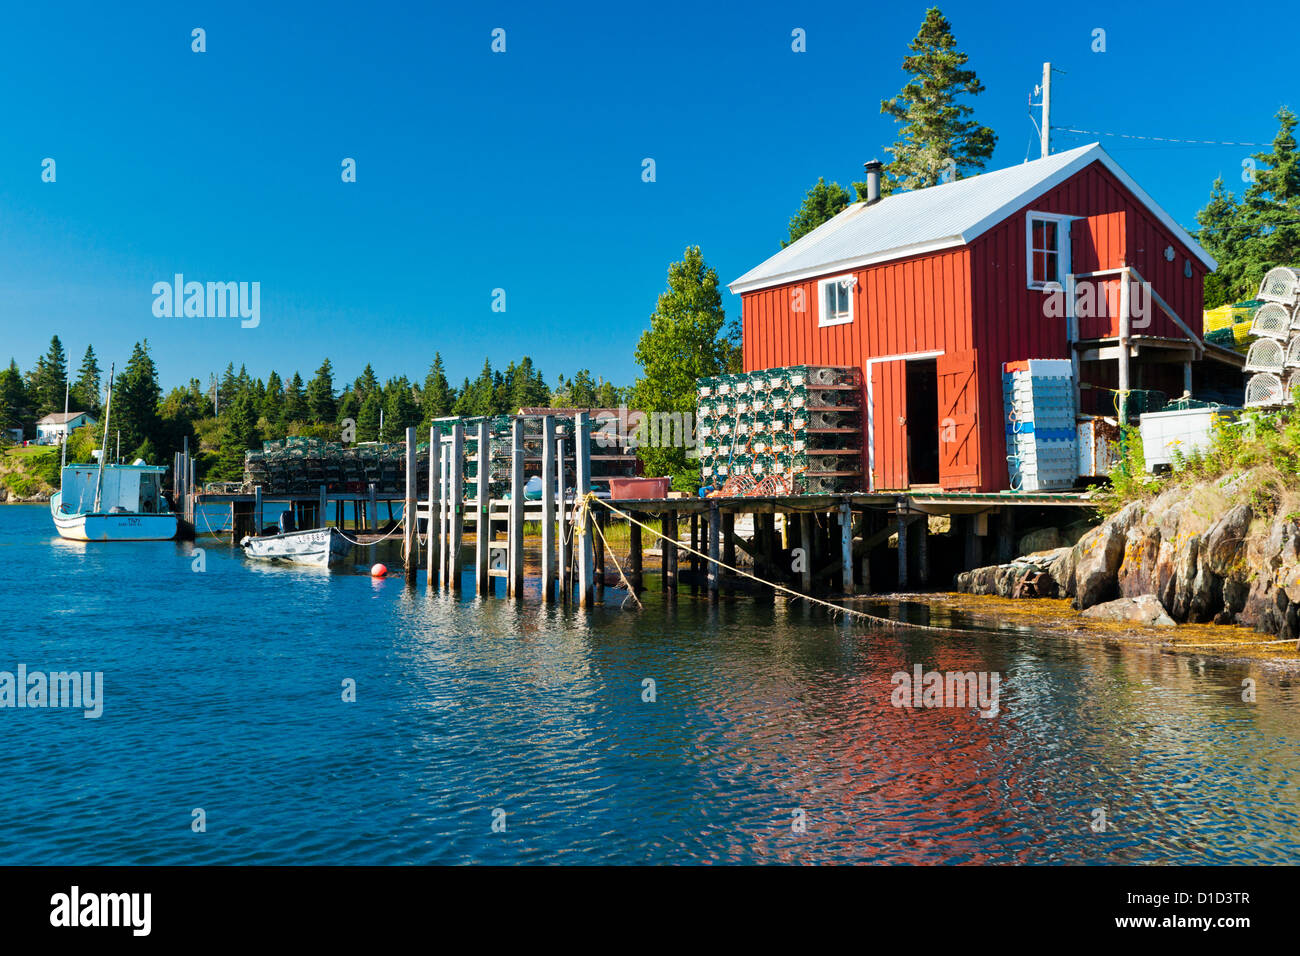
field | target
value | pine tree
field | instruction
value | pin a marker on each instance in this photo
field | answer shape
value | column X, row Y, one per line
column 86, row 389
column 437, row 397
column 296, row 410
column 320, row 395
column 13, row 402
column 822, row 203
column 937, row 134
column 368, row 417
column 49, row 380
column 136, row 395
column 238, row 434
column 400, row 409
column 273, row 402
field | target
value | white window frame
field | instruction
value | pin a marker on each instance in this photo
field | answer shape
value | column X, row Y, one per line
column 1063, row 258
column 822, row 320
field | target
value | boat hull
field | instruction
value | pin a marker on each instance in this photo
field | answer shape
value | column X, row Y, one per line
column 318, row 547
column 112, row 527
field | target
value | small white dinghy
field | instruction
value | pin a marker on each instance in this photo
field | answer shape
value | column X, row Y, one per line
column 318, row 547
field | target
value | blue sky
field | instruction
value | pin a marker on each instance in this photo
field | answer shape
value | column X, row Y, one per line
column 519, row 171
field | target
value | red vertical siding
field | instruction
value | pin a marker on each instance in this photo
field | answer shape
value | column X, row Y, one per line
column 976, row 298
column 1009, row 321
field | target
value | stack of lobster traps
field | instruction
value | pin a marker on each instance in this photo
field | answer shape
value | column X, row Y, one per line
column 300, row 465
column 1274, row 356
column 781, row 431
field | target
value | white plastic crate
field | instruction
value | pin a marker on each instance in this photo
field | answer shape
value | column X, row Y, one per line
column 1166, row 433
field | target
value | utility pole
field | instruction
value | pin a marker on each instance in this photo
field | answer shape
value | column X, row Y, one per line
column 1046, row 132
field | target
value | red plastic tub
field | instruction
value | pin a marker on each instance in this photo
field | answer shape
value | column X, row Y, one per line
column 621, row 489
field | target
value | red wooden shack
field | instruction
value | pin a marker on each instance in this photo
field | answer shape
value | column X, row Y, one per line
column 929, row 292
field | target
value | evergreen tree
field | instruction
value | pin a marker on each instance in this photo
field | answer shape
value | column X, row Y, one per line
column 479, row 397
column 136, row 395
column 366, row 383
column 295, row 402
column 822, row 203
column 273, row 401
column 401, row 411
column 13, row 402
column 937, row 133
column 320, row 395
column 368, row 417
column 86, row 390
column 1259, row 232
column 238, row 434
column 227, row 388
column 437, row 397
column 682, row 344
column 48, row 380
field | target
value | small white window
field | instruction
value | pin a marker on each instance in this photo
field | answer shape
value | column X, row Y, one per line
column 1047, row 248
column 835, row 300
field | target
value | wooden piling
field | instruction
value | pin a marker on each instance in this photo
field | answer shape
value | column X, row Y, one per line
column 1006, row 535
column 846, row 547
column 598, row 553
column 669, row 559
column 444, row 518
column 372, row 517
column 566, row 541
column 482, row 501
column 515, row 524
column 548, row 509
column 410, row 523
column 923, row 550
column 902, row 549
column 634, row 556
column 715, row 549
column 456, row 462
column 433, row 552
column 257, row 510
column 586, row 560
column 728, row 549
column 694, row 560
column 805, row 545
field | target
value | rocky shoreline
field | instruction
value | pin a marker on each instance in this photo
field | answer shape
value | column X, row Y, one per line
column 1190, row 555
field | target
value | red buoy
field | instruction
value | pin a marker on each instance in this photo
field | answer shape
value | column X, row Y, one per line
column 378, row 571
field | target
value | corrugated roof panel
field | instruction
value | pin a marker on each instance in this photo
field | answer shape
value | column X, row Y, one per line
column 926, row 220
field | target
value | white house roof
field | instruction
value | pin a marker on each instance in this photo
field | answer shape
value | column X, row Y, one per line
column 62, row 418
column 940, row 217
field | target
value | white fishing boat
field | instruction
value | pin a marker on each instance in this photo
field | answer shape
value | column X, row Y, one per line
column 110, row 502
column 319, row 547
column 113, row 503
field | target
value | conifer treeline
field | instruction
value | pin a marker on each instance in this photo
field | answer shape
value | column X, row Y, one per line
column 236, row 412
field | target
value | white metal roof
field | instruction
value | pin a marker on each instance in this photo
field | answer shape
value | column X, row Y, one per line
column 940, row 217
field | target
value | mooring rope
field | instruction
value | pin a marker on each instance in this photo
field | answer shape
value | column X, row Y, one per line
column 631, row 591
column 833, row 608
column 1289, row 640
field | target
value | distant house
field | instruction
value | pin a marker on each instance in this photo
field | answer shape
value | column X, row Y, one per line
column 930, row 292
column 54, row 428
column 15, row 434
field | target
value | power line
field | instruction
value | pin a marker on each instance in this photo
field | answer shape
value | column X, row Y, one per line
column 1158, row 139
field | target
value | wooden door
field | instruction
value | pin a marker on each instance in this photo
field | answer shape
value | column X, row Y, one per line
column 888, row 417
column 959, row 453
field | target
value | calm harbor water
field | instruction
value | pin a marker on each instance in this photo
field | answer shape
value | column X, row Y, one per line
column 223, row 691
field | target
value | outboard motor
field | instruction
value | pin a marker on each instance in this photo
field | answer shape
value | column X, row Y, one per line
column 287, row 523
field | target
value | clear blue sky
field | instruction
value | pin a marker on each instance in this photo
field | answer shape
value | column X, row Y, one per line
column 519, row 170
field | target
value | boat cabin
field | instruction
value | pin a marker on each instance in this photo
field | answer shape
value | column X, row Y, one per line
column 133, row 489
